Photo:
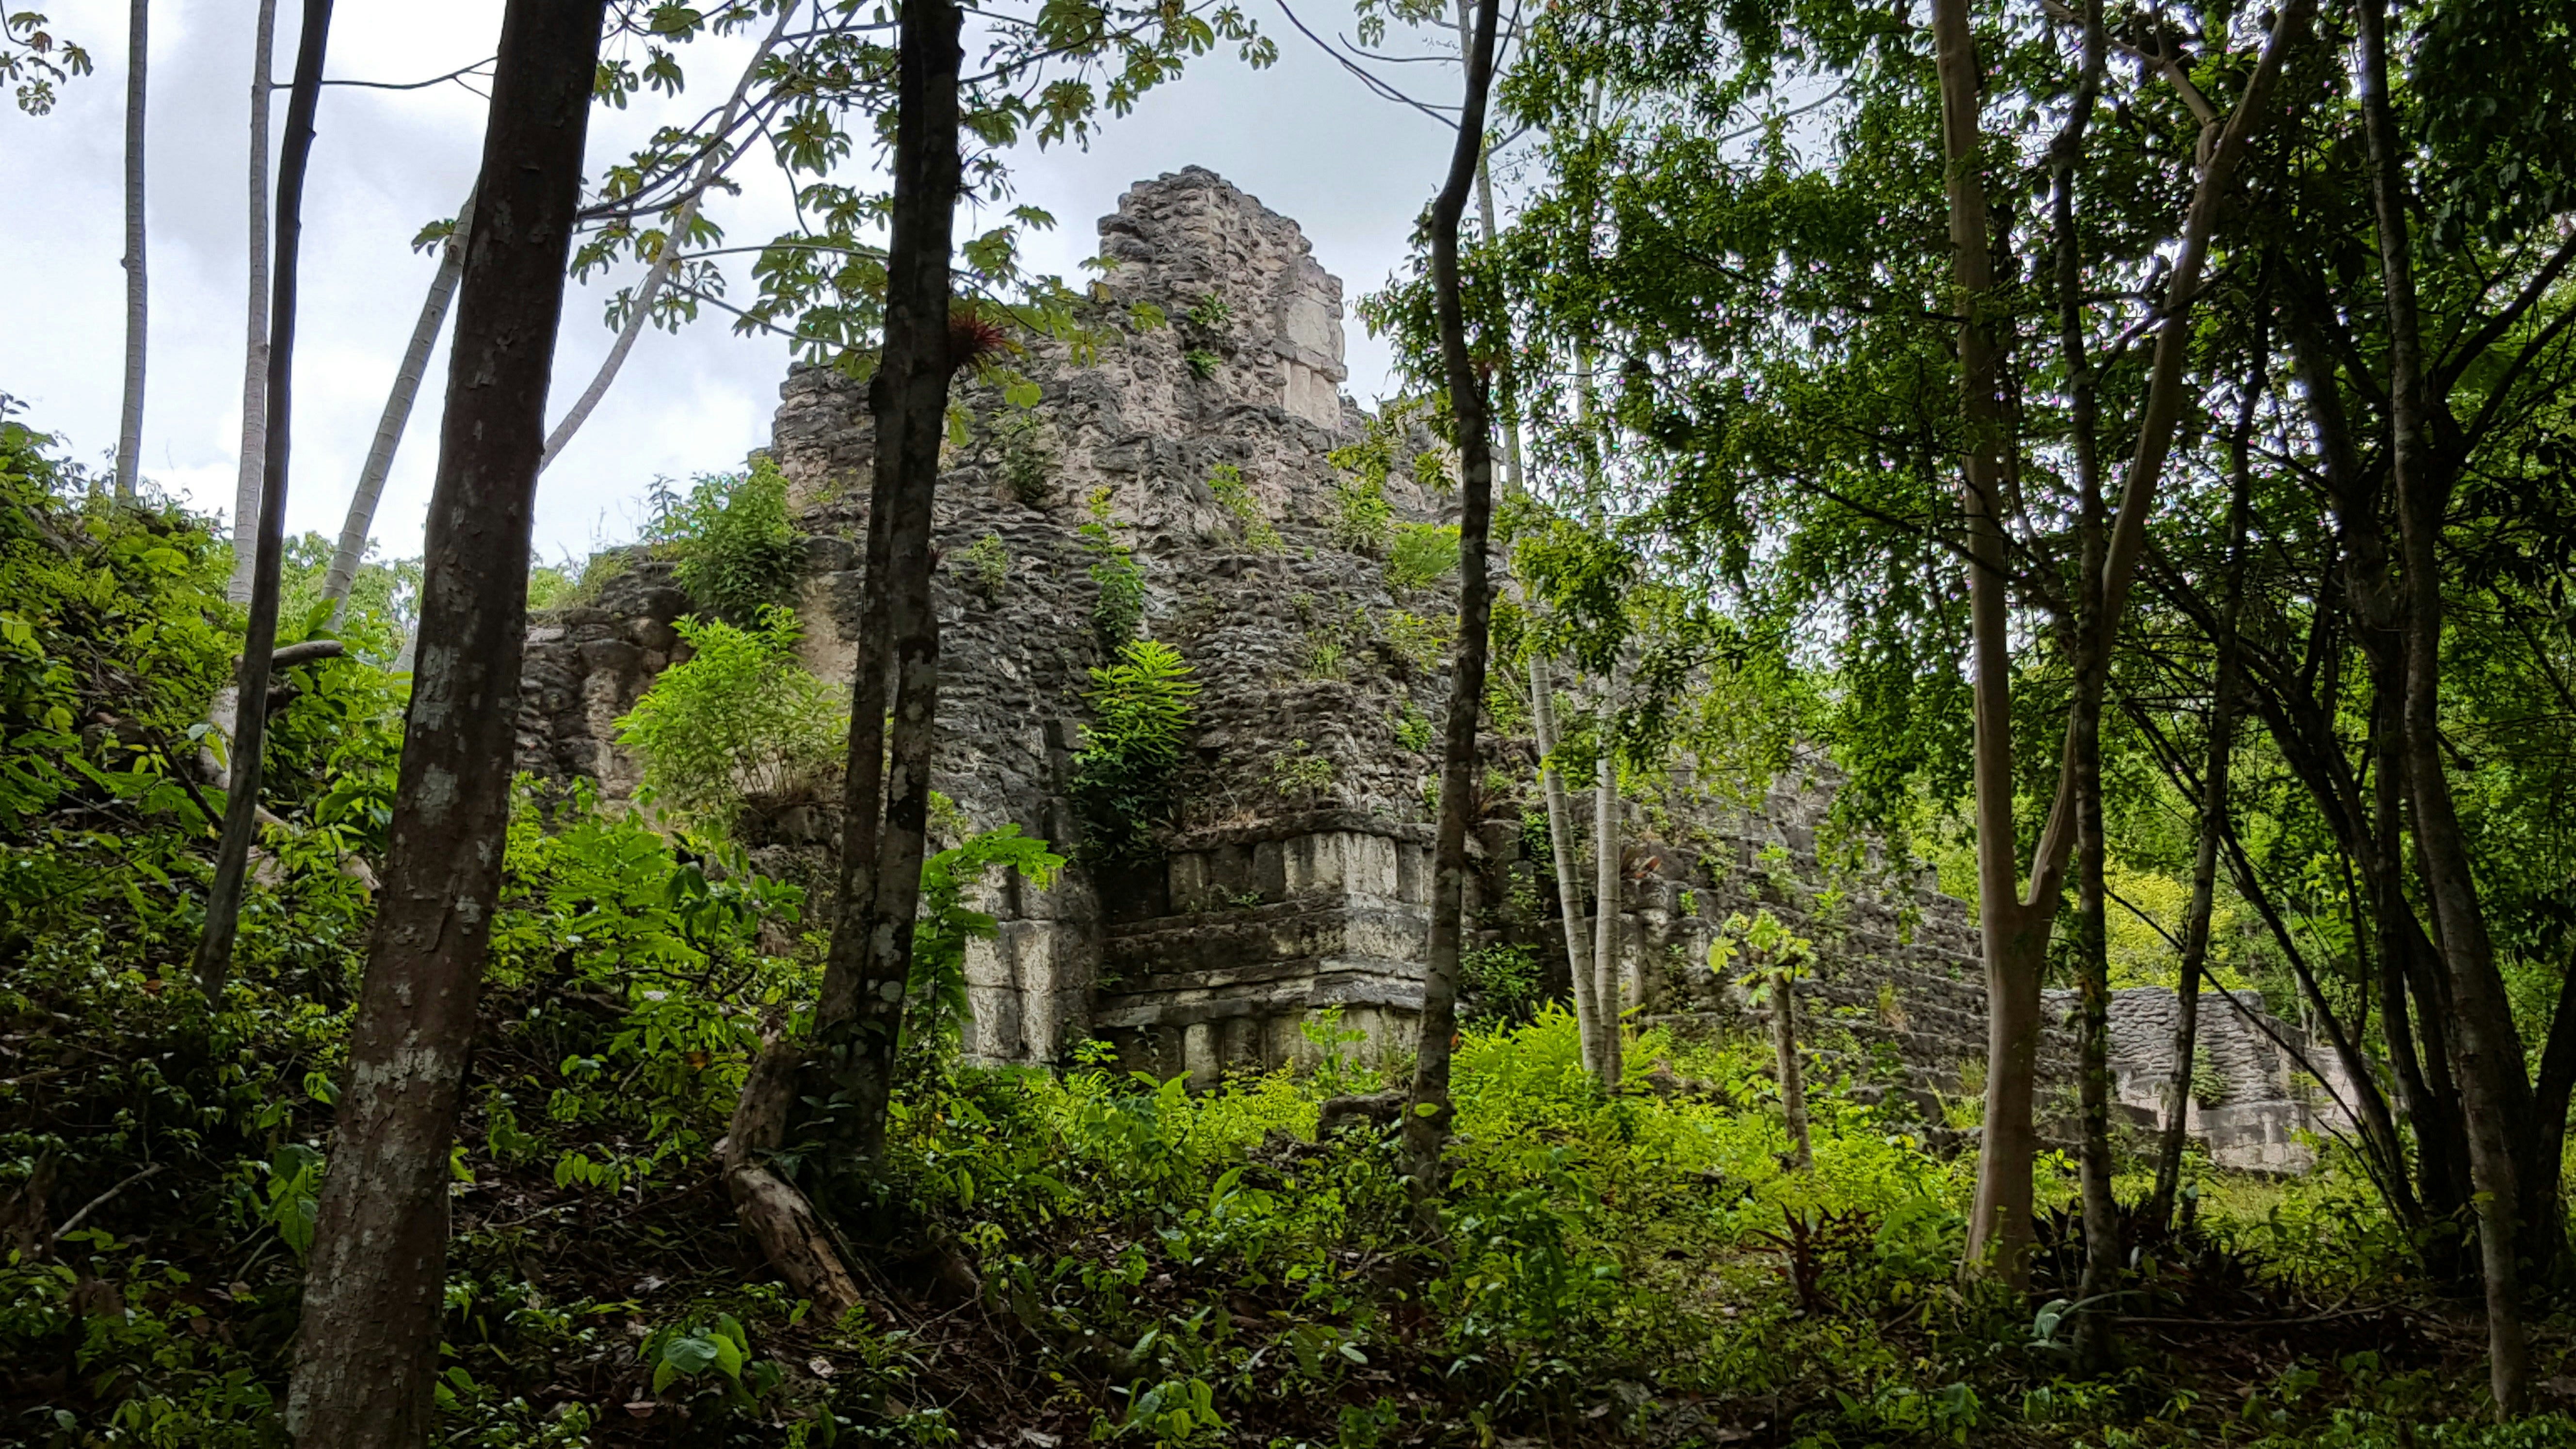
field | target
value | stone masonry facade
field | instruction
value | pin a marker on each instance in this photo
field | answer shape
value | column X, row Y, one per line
column 1294, row 878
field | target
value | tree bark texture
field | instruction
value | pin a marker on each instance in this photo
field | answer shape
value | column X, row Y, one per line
column 1609, row 985
column 2093, row 1328
column 872, row 937
column 1793, row 1077
column 379, row 464
column 138, row 304
column 367, row 1354
column 250, row 480
column 1428, row 1108
column 1569, row 891
column 259, row 641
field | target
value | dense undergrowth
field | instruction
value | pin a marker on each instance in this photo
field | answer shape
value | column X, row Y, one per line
column 1056, row 1258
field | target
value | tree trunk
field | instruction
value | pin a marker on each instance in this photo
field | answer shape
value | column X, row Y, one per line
column 2015, row 947
column 352, row 549
column 138, row 309
column 1609, row 984
column 1428, row 1110
column 2093, row 1328
column 640, row 311
column 871, row 953
column 1793, row 1078
column 366, row 1358
column 2372, row 833
column 2494, row 1089
column 259, row 642
column 2016, row 924
column 251, row 479
column 1514, row 484
column 1569, row 891
column 2213, row 819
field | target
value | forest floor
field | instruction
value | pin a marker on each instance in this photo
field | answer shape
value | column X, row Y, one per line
column 1052, row 1258
column 1096, row 1258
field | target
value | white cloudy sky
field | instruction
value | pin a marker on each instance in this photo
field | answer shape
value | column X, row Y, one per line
column 1302, row 136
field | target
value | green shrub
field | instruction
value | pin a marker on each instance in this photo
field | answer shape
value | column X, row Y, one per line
column 1120, row 606
column 1412, row 728
column 1298, row 773
column 1028, row 465
column 1210, row 312
column 1362, row 520
column 1226, row 482
column 1202, row 362
column 741, row 718
column 730, row 536
column 1501, row 984
column 1422, row 554
column 987, row 566
column 1122, row 777
column 1422, row 643
column 571, row 584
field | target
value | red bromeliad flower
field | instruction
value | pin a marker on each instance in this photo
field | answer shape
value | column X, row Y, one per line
column 973, row 337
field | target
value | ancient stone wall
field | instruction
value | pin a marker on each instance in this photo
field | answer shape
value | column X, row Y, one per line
column 1294, row 879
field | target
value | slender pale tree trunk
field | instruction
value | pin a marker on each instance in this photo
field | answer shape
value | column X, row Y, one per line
column 352, row 549
column 2016, row 922
column 640, row 311
column 1999, row 1224
column 1428, row 1107
column 254, row 427
column 366, row 1354
column 2493, row 1086
column 1793, row 1077
column 1610, row 985
column 138, row 306
column 2224, row 689
column 1569, row 891
column 259, row 642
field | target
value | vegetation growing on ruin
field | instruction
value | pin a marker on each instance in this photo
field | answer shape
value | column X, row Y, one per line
column 1119, row 605
column 740, row 720
column 729, row 536
column 1092, row 1256
column 1225, row 480
column 1124, row 774
column 2110, row 459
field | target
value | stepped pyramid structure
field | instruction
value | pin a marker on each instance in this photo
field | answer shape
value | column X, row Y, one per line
column 1295, row 879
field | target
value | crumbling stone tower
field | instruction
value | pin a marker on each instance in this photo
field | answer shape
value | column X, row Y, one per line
column 1295, row 876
